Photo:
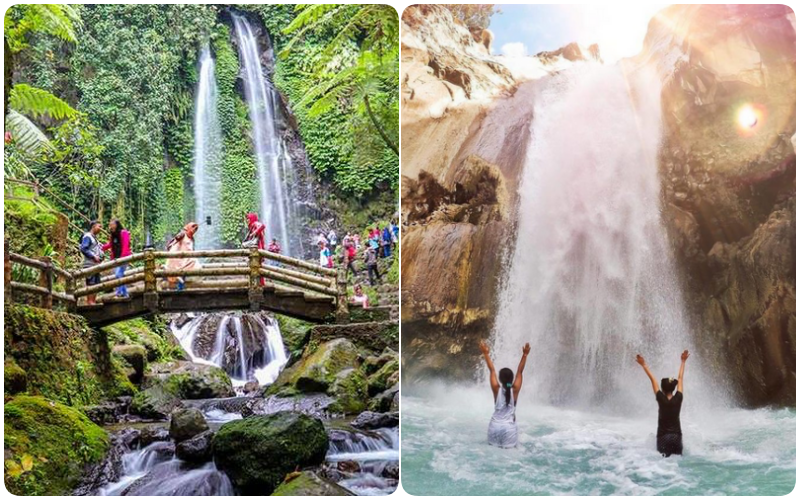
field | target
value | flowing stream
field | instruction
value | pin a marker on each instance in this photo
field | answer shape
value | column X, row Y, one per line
column 207, row 158
column 275, row 172
column 590, row 283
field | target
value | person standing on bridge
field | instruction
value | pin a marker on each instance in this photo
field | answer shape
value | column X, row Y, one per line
column 92, row 255
column 182, row 242
column 255, row 236
column 120, row 246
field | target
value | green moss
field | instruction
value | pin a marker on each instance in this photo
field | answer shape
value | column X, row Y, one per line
column 317, row 370
column 350, row 391
column 15, row 380
column 31, row 227
column 152, row 334
column 295, row 333
column 380, row 380
column 64, row 359
column 48, row 445
column 307, row 483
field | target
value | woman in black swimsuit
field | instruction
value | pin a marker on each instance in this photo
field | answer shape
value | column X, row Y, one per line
column 669, row 439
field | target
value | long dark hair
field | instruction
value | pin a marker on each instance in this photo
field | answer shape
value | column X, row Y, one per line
column 506, row 380
column 668, row 385
column 116, row 238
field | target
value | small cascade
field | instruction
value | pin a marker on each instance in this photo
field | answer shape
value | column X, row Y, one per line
column 154, row 471
column 249, row 347
column 207, row 158
column 375, row 452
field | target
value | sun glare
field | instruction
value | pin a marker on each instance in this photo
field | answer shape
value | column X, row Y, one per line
column 748, row 117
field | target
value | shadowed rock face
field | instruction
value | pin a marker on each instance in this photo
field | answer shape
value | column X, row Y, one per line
column 728, row 190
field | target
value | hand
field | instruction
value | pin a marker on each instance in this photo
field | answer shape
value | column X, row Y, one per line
column 526, row 349
column 685, row 355
column 484, row 348
column 640, row 360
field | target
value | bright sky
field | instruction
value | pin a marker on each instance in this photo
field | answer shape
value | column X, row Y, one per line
column 528, row 29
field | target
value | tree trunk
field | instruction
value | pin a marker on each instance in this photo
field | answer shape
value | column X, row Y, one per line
column 380, row 129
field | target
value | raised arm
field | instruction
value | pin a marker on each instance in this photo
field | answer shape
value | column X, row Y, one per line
column 492, row 375
column 641, row 361
column 684, row 357
column 526, row 349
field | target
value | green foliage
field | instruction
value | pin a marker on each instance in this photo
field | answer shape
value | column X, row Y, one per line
column 26, row 135
column 474, row 16
column 47, row 446
column 57, row 20
column 173, row 183
column 38, row 103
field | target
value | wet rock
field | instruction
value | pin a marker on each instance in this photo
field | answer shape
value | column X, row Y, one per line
column 251, row 387
column 196, row 449
column 189, row 380
column 174, row 478
column 110, row 469
column 392, row 471
column 257, row 452
column 155, row 402
column 386, row 401
column 317, row 370
column 380, row 380
column 350, row 391
column 135, row 356
column 15, row 380
column 313, row 405
column 374, row 363
column 373, row 420
column 308, row 483
column 348, row 466
column 151, row 434
column 108, row 412
column 186, row 423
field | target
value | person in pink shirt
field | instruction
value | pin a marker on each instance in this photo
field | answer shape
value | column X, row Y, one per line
column 119, row 245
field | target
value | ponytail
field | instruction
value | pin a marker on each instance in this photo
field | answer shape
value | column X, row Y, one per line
column 507, row 391
column 506, row 377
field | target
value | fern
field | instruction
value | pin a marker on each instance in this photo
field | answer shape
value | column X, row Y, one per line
column 27, row 137
column 37, row 103
column 61, row 21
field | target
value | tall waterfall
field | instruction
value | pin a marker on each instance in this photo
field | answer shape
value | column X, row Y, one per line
column 275, row 173
column 590, row 282
column 207, row 154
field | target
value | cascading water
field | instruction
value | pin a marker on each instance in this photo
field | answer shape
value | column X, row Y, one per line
column 590, row 283
column 275, row 174
column 247, row 347
column 207, row 153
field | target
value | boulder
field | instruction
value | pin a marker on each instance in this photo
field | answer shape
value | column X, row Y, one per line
column 380, row 380
column 350, row 391
column 196, row 449
column 374, row 363
column 155, row 402
column 317, row 370
column 185, row 423
column 48, row 446
column 373, row 420
column 15, row 380
column 108, row 412
column 189, row 380
column 388, row 400
column 257, row 452
column 307, row 483
column 151, row 434
column 391, row 471
column 135, row 356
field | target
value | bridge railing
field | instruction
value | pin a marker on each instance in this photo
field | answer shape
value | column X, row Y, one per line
column 48, row 274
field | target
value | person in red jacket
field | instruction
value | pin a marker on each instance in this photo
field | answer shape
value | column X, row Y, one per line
column 255, row 232
column 119, row 245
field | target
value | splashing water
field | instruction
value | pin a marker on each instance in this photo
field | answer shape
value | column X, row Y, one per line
column 274, row 164
column 374, row 451
column 591, row 283
column 207, row 153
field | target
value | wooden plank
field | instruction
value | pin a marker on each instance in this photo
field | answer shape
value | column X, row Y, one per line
column 297, row 262
column 162, row 254
column 161, row 273
column 108, row 285
column 105, row 266
column 303, row 276
column 297, row 282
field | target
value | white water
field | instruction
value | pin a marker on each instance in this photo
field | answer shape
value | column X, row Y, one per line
column 274, row 164
column 590, row 281
column 240, row 374
column 207, row 158
column 374, row 451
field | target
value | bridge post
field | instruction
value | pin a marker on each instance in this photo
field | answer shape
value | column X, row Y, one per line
column 150, row 296
column 342, row 311
column 46, row 281
column 255, row 292
column 8, row 295
column 71, row 306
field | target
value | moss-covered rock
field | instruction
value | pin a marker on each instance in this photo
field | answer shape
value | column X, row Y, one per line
column 135, row 356
column 372, row 337
column 186, row 423
column 350, row 391
column 151, row 334
column 307, row 483
column 318, row 368
column 295, row 333
column 155, row 402
column 47, row 446
column 257, row 452
column 381, row 379
column 64, row 359
column 189, row 380
column 15, row 380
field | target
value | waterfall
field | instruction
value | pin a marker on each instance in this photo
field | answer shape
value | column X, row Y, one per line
column 274, row 164
column 590, row 282
column 219, row 340
column 207, row 154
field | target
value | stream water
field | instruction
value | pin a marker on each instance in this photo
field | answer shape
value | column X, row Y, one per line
column 591, row 283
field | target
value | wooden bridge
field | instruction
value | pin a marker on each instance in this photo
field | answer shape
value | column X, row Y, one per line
column 244, row 279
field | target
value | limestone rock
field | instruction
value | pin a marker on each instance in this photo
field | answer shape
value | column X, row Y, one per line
column 186, row 423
